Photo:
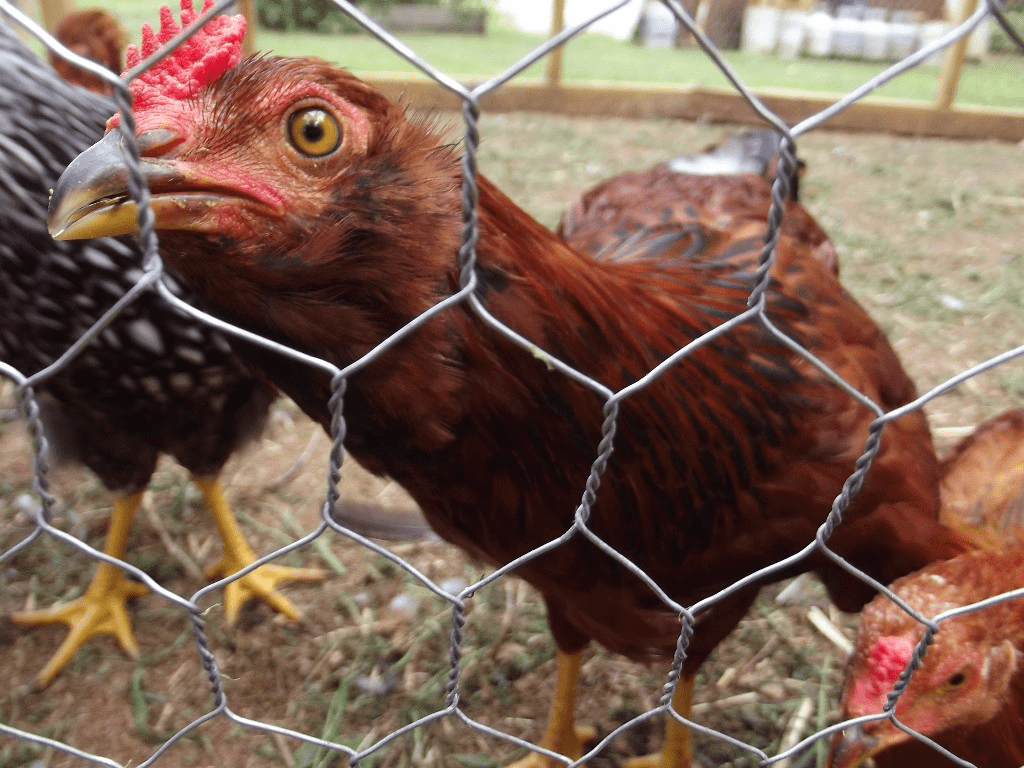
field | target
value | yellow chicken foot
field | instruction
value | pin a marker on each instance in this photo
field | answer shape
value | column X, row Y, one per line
column 562, row 735
column 101, row 610
column 261, row 583
column 677, row 751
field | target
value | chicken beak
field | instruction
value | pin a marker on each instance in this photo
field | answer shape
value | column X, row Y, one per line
column 92, row 199
column 855, row 747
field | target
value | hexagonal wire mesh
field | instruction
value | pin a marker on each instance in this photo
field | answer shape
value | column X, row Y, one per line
column 151, row 280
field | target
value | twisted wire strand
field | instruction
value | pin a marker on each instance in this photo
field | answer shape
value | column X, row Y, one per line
column 40, row 462
column 470, row 195
column 780, row 193
column 336, row 404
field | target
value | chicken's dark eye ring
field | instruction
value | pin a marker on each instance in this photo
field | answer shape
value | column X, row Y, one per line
column 956, row 680
column 314, row 132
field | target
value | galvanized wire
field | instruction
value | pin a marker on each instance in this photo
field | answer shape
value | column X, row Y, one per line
column 152, row 280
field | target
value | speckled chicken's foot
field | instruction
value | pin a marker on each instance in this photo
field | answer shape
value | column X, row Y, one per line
column 102, row 608
column 562, row 734
column 677, row 751
column 261, row 583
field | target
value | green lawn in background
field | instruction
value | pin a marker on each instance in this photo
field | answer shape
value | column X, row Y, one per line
column 998, row 81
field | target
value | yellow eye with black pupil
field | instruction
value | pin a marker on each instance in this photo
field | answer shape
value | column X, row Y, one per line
column 314, row 132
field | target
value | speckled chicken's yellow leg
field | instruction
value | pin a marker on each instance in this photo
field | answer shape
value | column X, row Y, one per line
column 562, row 735
column 102, row 608
column 677, row 751
column 238, row 554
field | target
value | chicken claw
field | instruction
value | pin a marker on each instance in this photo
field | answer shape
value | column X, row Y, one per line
column 562, row 734
column 101, row 610
column 677, row 751
column 571, row 746
column 260, row 583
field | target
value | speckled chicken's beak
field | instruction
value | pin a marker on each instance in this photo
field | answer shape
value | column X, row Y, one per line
column 91, row 198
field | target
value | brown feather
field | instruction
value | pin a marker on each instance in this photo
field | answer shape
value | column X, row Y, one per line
column 983, row 478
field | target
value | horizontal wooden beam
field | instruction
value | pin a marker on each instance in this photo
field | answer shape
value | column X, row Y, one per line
column 644, row 100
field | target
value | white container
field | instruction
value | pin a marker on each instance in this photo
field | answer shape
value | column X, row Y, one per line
column 981, row 37
column 848, row 32
column 819, row 29
column 760, row 29
column 930, row 32
column 658, row 26
column 792, row 33
column 904, row 35
column 876, row 34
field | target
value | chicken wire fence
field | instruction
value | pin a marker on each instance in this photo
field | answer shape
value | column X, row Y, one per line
column 451, row 707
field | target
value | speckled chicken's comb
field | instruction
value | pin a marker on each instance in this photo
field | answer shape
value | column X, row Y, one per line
column 201, row 59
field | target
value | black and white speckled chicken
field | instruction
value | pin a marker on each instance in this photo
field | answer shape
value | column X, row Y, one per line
column 154, row 382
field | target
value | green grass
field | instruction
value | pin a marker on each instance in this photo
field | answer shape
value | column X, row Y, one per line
column 996, row 82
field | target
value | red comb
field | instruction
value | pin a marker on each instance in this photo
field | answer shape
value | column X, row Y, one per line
column 887, row 658
column 200, row 60
column 890, row 656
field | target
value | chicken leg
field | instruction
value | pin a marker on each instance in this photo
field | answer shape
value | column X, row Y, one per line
column 238, row 554
column 562, row 735
column 102, row 608
column 677, row 751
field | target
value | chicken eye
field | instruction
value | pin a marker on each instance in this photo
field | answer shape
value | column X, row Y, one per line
column 314, row 132
column 956, row 680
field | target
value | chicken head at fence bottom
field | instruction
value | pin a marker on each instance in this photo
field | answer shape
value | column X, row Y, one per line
column 968, row 694
column 304, row 205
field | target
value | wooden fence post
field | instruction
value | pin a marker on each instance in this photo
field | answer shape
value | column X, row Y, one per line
column 554, row 65
column 953, row 61
column 52, row 11
column 248, row 9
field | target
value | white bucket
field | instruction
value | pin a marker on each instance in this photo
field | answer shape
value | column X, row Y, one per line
column 930, row 32
column 658, row 26
column 819, row 33
column 903, row 35
column 848, row 33
column 876, row 34
column 760, row 29
column 792, row 33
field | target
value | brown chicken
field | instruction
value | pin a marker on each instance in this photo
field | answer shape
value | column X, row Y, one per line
column 969, row 694
column 982, row 479
column 301, row 203
column 731, row 185
column 95, row 34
